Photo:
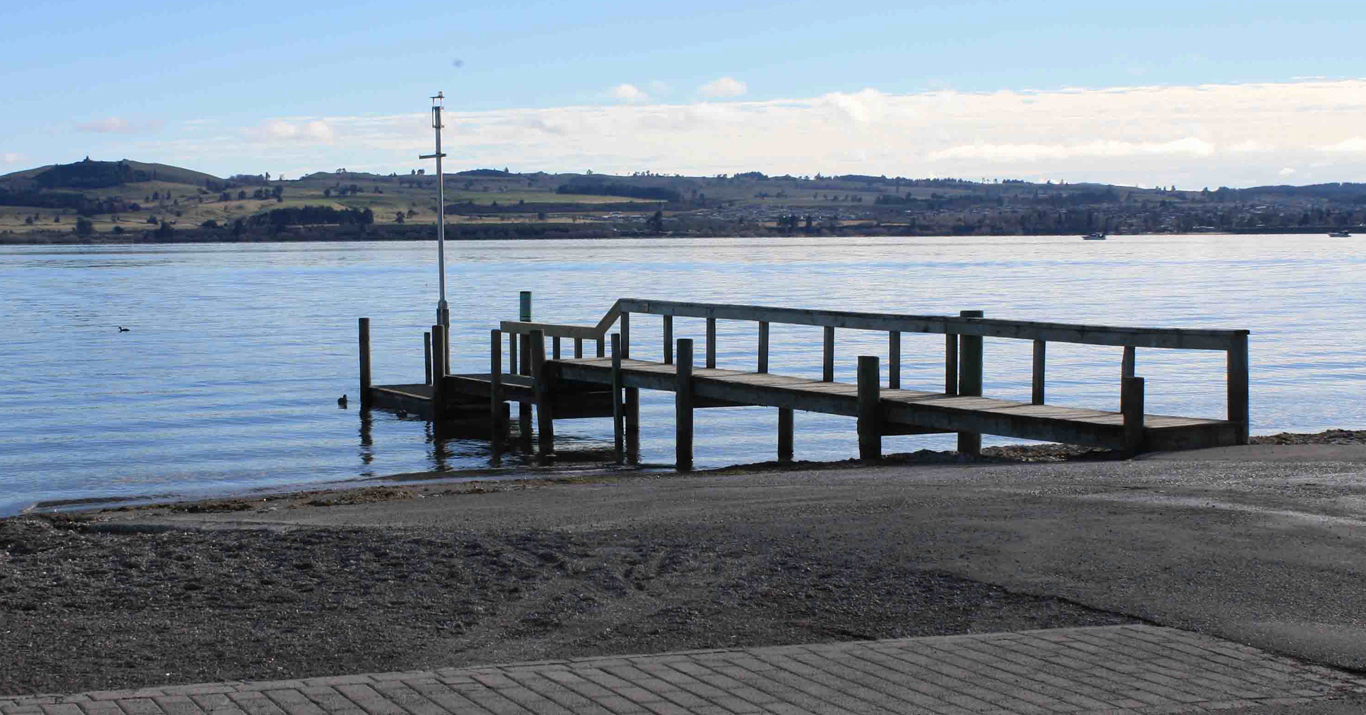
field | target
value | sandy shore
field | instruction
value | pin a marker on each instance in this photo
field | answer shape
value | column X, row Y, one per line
column 434, row 575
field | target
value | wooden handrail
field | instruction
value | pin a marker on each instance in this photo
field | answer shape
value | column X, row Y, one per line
column 1175, row 338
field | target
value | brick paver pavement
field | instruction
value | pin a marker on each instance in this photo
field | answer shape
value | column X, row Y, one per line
column 1116, row 669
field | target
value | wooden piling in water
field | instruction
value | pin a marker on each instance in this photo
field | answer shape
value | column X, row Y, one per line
column 617, row 409
column 364, row 329
column 950, row 364
column 683, row 407
column 1131, row 406
column 668, row 340
column 496, row 393
column 1040, row 356
column 1127, row 369
column 869, row 408
column 545, row 420
column 438, row 360
column 427, row 355
column 1238, row 387
column 524, row 368
column 711, row 343
column 894, row 360
column 828, row 355
column 970, row 381
column 631, row 404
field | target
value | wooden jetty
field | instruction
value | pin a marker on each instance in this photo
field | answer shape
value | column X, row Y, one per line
column 608, row 383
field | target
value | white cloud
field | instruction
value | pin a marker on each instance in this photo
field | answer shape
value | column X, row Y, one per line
column 1286, row 173
column 1109, row 149
column 1354, row 145
column 117, row 125
column 724, row 87
column 11, row 157
column 1212, row 135
column 629, row 93
column 314, row 131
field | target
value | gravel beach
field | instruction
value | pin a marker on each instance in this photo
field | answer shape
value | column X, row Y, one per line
column 137, row 597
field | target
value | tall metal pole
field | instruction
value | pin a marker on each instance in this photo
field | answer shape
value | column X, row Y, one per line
column 443, row 313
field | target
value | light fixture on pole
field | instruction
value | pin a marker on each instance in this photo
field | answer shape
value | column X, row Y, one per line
column 443, row 312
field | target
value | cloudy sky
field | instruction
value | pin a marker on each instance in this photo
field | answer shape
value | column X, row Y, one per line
column 1159, row 93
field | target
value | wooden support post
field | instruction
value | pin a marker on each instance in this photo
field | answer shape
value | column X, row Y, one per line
column 828, row 355
column 970, row 381
column 1040, row 349
column 578, row 348
column 763, row 346
column 556, row 342
column 496, row 394
column 683, row 404
column 524, row 408
column 1131, row 405
column 711, row 343
column 893, row 360
column 545, row 419
column 617, row 424
column 668, row 340
column 950, row 364
column 427, row 352
column 785, row 430
column 601, row 349
column 438, row 359
column 631, row 400
column 1130, row 360
column 364, row 326
column 512, row 353
column 1238, row 387
column 869, row 409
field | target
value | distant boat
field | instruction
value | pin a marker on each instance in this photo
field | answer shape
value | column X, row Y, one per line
column 1094, row 237
column 1340, row 234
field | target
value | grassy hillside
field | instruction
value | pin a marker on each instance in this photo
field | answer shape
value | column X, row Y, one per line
column 744, row 204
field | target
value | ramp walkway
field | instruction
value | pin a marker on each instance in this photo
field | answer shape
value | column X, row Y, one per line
column 1115, row 670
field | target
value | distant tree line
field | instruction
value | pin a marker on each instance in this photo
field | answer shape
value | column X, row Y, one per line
column 598, row 187
column 312, row 215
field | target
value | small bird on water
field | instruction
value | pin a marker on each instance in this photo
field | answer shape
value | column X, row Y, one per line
column 122, row 329
column 341, row 402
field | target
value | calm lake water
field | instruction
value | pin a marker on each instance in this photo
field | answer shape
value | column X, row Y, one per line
column 227, row 381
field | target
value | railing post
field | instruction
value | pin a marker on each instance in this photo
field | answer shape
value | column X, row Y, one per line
column 601, row 349
column 496, row 393
column 523, row 367
column 578, row 348
column 668, row 340
column 1131, row 406
column 893, row 360
column 618, row 448
column 869, row 409
column 828, row 355
column 545, row 419
column 1238, row 369
column 785, row 430
column 364, row 326
column 438, row 360
column 1040, row 349
column 763, row 346
column 711, row 343
column 683, row 405
column 970, row 381
column 1128, row 367
column 427, row 354
column 556, row 342
column 632, row 397
column 950, row 364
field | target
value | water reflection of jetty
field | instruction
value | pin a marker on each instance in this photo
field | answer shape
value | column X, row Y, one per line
column 554, row 386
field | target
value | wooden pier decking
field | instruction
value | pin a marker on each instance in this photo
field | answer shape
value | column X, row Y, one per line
column 602, row 386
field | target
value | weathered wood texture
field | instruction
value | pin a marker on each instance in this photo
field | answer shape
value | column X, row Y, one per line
column 869, row 408
column 970, row 380
column 683, row 407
